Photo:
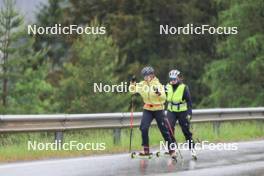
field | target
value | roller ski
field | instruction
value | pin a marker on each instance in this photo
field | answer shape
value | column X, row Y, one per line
column 172, row 155
column 141, row 155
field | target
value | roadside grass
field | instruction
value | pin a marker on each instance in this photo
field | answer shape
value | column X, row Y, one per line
column 14, row 146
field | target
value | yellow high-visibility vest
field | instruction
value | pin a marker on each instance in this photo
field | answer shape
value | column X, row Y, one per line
column 175, row 98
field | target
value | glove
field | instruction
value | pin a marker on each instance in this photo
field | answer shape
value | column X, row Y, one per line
column 133, row 79
column 157, row 92
column 189, row 118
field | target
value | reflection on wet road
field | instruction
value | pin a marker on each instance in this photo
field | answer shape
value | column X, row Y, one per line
column 247, row 160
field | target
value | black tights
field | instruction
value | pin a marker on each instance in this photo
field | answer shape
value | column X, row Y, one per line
column 147, row 118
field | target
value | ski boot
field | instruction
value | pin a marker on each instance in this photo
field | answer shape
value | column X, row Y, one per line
column 173, row 155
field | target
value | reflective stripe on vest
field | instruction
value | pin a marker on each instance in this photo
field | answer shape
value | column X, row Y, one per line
column 174, row 99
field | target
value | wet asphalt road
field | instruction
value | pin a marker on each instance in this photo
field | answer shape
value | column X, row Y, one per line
column 247, row 160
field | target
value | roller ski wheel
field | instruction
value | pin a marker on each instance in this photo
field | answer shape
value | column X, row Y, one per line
column 132, row 155
column 194, row 158
column 174, row 157
column 194, row 155
column 141, row 156
column 166, row 154
column 158, row 154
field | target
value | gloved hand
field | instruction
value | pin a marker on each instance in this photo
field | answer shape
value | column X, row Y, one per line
column 157, row 92
column 189, row 114
column 189, row 117
column 133, row 79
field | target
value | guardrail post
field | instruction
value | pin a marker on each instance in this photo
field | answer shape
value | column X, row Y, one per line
column 58, row 137
column 216, row 127
column 117, row 135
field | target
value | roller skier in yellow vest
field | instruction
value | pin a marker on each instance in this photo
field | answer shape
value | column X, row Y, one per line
column 179, row 106
column 154, row 97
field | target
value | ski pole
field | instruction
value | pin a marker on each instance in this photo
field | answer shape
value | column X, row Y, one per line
column 194, row 132
column 172, row 135
column 131, row 123
column 131, row 116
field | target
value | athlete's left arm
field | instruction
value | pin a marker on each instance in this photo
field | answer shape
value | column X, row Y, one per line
column 160, row 91
column 188, row 99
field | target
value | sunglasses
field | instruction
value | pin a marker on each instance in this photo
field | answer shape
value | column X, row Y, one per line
column 173, row 79
column 146, row 77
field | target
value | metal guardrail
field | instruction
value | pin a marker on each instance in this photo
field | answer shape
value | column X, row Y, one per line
column 116, row 121
column 61, row 122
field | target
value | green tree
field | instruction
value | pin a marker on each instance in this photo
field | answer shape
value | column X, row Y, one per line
column 57, row 45
column 9, row 23
column 237, row 79
column 95, row 60
column 24, row 87
column 134, row 27
column 31, row 93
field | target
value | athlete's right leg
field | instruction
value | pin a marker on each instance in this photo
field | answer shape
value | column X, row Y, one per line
column 163, row 127
column 185, row 126
column 144, row 127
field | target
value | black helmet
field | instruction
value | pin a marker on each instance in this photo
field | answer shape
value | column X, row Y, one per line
column 147, row 71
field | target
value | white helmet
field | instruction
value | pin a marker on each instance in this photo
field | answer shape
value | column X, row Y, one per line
column 174, row 74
